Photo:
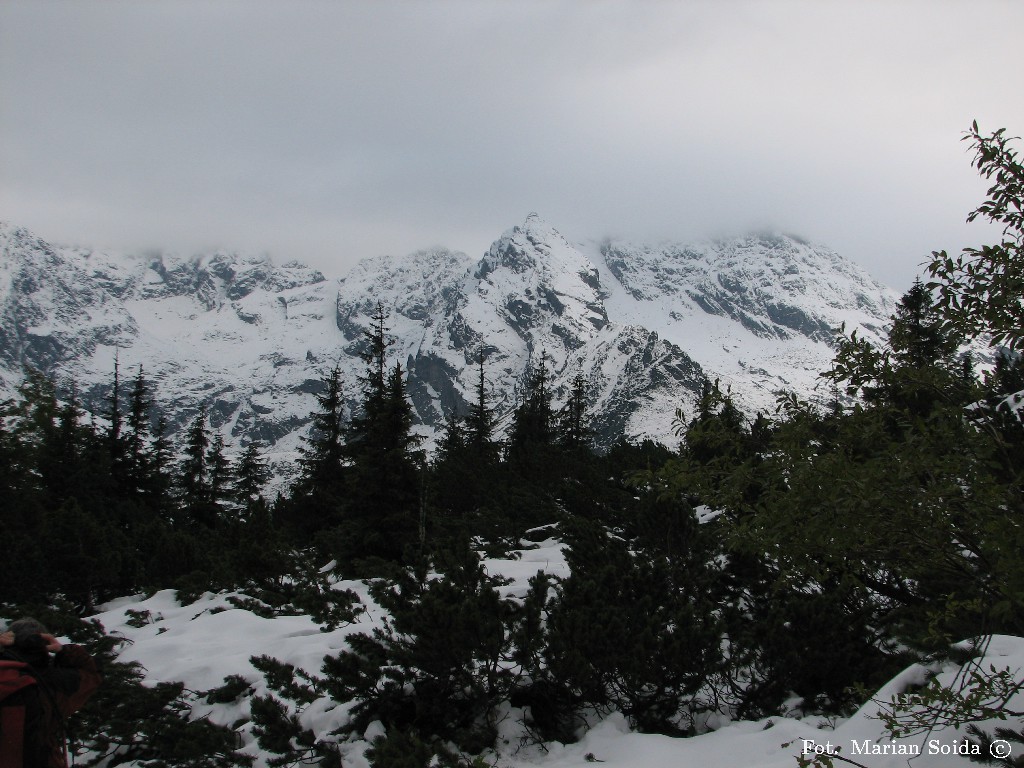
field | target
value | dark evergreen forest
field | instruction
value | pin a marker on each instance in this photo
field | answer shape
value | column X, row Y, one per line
column 808, row 553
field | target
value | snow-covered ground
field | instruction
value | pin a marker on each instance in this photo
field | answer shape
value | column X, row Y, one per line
column 203, row 642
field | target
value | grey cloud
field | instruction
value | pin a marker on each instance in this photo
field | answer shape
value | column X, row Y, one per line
column 334, row 131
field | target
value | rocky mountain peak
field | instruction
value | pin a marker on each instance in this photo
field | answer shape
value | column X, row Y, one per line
column 538, row 279
column 221, row 277
column 774, row 285
column 50, row 308
column 645, row 325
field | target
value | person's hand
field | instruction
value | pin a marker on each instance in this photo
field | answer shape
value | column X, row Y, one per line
column 52, row 643
column 6, row 639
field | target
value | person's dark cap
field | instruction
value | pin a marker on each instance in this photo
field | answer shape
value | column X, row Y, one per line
column 26, row 629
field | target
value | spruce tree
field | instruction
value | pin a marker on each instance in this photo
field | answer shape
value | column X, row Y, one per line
column 452, row 445
column 194, row 475
column 1006, row 376
column 480, row 419
column 379, row 342
column 64, row 453
column 140, row 432
column 573, row 420
column 116, row 444
column 83, row 555
column 533, row 419
column 114, row 415
column 317, row 496
column 465, row 474
column 251, row 476
column 918, row 337
column 258, row 557
column 531, row 451
column 382, row 515
column 917, row 369
column 21, row 510
column 10, row 453
column 220, row 476
column 55, row 443
column 34, row 425
column 157, row 484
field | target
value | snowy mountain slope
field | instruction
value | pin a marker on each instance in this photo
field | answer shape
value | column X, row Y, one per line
column 532, row 294
column 759, row 312
column 252, row 341
column 51, row 310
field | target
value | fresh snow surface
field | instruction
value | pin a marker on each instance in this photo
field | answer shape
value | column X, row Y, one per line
column 205, row 641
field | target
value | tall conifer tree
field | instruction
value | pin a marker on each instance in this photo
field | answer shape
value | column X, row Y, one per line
column 251, row 475
column 573, row 420
column 533, row 420
column 383, row 510
column 158, row 484
column 482, row 450
column 220, row 476
column 194, row 474
column 139, row 431
column 480, row 419
column 321, row 453
column 317, row 496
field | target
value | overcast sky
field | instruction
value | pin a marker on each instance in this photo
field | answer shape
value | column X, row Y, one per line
column 332, row 131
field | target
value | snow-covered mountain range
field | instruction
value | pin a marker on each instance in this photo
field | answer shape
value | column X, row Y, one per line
column 645, row 325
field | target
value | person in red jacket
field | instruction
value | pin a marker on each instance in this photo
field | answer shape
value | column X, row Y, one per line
column 51, row 682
